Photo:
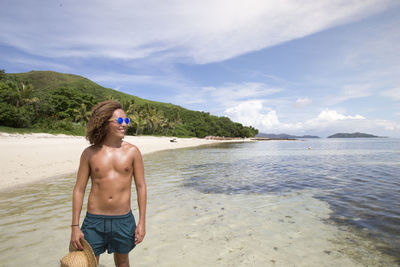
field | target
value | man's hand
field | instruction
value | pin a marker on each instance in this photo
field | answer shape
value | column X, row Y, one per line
column 140, row 232
column 76, row 235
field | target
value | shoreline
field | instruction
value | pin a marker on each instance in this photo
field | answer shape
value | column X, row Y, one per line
column 30, row 158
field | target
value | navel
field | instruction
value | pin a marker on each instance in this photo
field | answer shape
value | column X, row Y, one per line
column 110, row 197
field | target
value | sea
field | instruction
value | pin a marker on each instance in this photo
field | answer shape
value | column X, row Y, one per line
column 358, row 178
column 306, row 202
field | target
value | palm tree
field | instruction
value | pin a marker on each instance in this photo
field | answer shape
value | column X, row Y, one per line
column 131, row 107
column 176, row 119
column 140, row 123
column 110, row 97
column 135, row 115
column 126, row 104
column 24, row 95
column 157, row 120
column 2, row 74
column 167, row 125
column 81, row 114
column 149, row 115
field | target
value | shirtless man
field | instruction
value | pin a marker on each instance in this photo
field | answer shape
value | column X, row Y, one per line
column 110, row 162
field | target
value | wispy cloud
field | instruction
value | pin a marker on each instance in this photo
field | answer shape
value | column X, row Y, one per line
column 392, row 93
column 203, row 31
column 35, row 64
column 349, row 92
column 227, row 95
column 137, row 79
column 303, row 102
column 230, row 94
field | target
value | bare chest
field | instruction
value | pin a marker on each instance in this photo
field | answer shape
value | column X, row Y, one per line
column 109, row 165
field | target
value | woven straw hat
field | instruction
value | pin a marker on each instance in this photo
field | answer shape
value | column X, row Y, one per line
column 77, row 258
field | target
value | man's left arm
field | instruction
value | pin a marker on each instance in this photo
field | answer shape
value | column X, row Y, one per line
column 138, row 173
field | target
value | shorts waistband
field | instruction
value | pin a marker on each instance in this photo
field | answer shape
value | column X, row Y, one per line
column 100, row 216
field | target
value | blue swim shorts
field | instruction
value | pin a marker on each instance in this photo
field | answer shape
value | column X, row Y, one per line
column 114, row 233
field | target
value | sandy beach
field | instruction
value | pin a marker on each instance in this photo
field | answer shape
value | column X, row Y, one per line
column 28, row 158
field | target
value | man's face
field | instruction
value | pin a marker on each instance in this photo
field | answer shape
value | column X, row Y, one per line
column 114, row 128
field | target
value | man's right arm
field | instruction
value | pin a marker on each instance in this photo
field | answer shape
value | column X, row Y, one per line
column 77, row 199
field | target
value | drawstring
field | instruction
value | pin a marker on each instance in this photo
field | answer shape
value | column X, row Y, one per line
column 105, row 225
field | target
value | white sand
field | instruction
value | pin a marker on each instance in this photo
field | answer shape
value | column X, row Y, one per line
column 28, row 158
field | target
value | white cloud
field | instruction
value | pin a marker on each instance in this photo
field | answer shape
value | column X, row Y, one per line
column 201, row 31
column 136, row 79
column 325, row 123
column 392, row 93
column 34, row 64
column 253, row 113
column 303, row 102
column 232, row 93
column 333, row 121
column 333, row 115
column 350, row 92
column 226, row 95
column 387, row 125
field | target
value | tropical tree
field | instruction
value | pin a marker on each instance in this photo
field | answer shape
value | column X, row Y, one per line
column 2, row 74
column 148, row 115
column 127, row 103
column 157, row 119
column 140, row 123
column 82, row 114
column 130, row 107
column 110, row 97
column 167, row 125
column 24, row 94
column 15, row 104
column 65, row 100
column 176, row 119
column 132, row 111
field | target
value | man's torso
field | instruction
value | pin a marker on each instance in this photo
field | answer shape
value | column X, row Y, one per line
column 111, row 171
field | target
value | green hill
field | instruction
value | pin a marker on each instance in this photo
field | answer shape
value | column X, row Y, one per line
column 50, row 80
column 55, row 102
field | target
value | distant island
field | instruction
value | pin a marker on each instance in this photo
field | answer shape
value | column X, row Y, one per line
column 284, row 136
column 353, row 135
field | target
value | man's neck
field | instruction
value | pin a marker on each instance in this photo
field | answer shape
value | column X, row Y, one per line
column 112, row 142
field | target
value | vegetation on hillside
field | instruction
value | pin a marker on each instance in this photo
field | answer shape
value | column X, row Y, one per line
column 61, row 103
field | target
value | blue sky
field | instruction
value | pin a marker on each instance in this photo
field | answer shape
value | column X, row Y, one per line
column 297, row 67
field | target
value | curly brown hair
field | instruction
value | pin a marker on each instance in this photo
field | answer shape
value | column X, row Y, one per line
column 96, row 128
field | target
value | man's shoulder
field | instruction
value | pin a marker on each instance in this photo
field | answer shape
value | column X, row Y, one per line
column 130, row 147
column 90, row 150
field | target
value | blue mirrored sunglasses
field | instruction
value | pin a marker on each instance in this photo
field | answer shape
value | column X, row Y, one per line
column 121, row 120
